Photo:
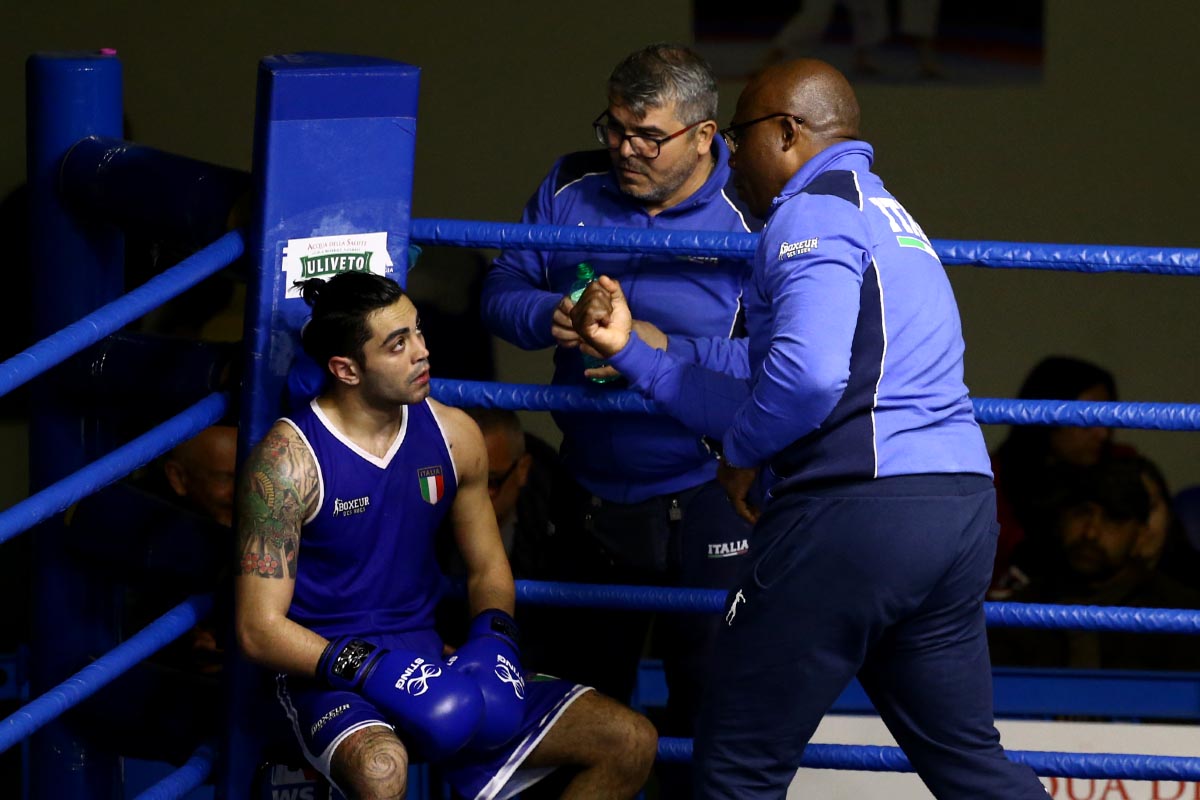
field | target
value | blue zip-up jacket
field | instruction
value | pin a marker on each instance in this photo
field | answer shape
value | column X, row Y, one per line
column 856, row 348
column 696, row 301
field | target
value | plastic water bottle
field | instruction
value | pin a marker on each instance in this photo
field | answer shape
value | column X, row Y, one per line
column 583, row 276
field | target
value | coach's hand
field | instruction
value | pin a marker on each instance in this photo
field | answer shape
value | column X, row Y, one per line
column 602, row 317
column 560, row 324
column 737, row 482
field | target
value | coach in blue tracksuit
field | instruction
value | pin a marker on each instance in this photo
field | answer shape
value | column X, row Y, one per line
column 643, row 505
column 874, row 548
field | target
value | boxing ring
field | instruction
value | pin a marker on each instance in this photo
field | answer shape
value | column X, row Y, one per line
column 312, row 132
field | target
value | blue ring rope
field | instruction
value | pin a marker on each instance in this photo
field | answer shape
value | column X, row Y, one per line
column 1069, row 257
column 1018, row 615
column 1077, row 258
column 1049, row 764
column 192, row 774
column 1143, row 416
column 532, row 397
column 89, row 680
column 517, row 236
column 608, row 596
column 1092, row 618
column 989, row 411
column 60, row 346
column 115, row 465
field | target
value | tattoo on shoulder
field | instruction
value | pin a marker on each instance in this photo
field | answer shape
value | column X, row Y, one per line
column 278, row 484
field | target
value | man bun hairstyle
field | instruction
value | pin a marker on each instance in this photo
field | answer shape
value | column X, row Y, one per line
column 340, row 307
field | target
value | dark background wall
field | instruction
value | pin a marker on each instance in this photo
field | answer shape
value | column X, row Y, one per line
column 1100, row 150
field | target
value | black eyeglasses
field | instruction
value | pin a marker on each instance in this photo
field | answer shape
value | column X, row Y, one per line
column 496, row 482
column 733, row 134
column 611, row 135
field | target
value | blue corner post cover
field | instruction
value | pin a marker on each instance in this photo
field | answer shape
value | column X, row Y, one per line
column 79, row 267
column 335, row 139
column 334, row 144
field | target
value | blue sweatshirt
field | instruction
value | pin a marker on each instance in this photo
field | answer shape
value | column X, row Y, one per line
column 696, row 301
column 856, row 349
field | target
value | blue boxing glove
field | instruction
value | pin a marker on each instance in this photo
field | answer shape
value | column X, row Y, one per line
column 492, row 657
column 438, row 710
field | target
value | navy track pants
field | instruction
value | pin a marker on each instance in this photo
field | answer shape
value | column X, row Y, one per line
column 882, row 579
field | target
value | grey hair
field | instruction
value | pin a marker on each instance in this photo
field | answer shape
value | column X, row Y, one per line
column 500, row 420
column 664, row 72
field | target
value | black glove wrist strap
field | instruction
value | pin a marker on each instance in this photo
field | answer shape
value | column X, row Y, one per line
column 350, row 659
column 499, row 622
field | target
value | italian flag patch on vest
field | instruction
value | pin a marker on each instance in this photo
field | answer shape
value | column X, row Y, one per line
column 432, row 483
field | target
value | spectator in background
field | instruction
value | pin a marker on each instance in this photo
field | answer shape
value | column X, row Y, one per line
column 166, row 533
column 201, row 472
column 1022, row 460
column 521, row 470
column 1099, row 518
column 1186, row 508
column 1165, row 547
column 163, row 537
column 521, row 474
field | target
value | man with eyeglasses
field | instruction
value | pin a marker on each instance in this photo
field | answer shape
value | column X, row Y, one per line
column 637, row 502
column 521, row 471
column 874, row 547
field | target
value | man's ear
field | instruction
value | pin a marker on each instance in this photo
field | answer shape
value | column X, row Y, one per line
column 790, row 134
column 1144, row 546
column 345, row 370
column 526, row 462
column 705, row 133
column 176, row 477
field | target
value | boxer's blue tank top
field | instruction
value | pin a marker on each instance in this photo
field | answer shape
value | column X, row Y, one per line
column 366, row 560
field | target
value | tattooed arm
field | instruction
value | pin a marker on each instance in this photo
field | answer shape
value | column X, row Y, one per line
column 277, row 490
column 489, row 578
